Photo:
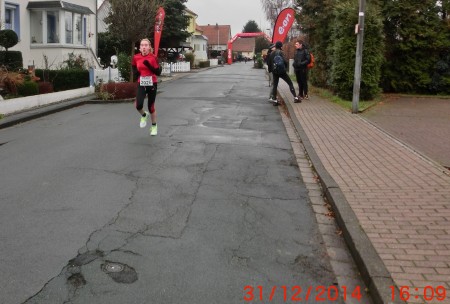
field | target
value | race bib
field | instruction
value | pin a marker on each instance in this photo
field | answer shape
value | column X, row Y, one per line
column 146, row 81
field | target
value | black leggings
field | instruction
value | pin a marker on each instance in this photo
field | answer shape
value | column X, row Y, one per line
column 140, row 96
column 285, row 77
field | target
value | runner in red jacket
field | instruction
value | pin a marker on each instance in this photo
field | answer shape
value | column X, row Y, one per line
column 145, row 67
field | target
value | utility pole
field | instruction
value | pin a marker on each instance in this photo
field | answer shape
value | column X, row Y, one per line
column 359, row 29
column 217, row 27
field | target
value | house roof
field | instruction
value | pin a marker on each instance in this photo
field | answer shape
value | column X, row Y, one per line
column 198, row 28
column 104, row 6
column 190, row 12
column 214, row 32
column 60, row 4
column 201, row 37
column 244, row 44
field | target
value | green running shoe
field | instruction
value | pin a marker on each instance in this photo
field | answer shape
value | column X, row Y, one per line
column 154, row 130
column 143, row 122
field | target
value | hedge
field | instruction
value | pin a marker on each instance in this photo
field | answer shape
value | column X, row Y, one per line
column 63, row 80
column 12, row 60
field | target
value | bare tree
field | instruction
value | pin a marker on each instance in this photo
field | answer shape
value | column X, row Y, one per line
column 273, row 7
column 132, row 20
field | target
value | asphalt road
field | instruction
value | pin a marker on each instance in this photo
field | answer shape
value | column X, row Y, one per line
column 94, row 210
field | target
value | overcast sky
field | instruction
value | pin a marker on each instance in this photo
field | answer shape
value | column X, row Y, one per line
column 229, row 12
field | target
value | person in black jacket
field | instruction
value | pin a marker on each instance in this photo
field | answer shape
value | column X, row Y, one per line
column 266, row 60
column 277, row 76
column 301, row 60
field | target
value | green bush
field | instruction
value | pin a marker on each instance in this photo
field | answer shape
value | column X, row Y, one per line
column 76, row 62
column 343, row 52
column 109, row 45
column 8, row 39
column 12, row 60
column 28, row 88
column 124, row 66
column 259, row 64
column 203, row 64
column 191, row 58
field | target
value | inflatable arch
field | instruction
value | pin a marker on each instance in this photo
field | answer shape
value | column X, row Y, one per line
column 241, row 35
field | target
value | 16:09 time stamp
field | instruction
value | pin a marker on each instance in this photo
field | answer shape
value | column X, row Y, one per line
column 428, row 293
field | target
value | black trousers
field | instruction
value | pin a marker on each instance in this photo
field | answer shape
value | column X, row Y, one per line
column 302, row 81
column 285, row 77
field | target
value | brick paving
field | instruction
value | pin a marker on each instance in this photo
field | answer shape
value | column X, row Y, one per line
column 400, row 198
column 421, row 122
column 347, row 275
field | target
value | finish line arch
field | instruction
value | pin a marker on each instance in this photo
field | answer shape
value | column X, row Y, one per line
column 241, row 35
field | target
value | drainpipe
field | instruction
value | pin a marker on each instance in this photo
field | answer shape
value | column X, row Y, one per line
column 96, row 28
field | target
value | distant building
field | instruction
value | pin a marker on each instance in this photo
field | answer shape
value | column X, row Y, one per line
column 245, row 47
column 197, row 41
column 218, row 36
column 102, row 13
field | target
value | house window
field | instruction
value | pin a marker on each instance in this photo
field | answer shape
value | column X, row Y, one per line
column 12, row 17
column 77, row 32
column 62, row 23
column 9, row 17
column 52, row 27
column 36, row 32
column 69, row 27
column 47, row 24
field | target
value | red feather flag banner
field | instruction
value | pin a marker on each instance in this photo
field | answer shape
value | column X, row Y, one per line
column 283, row 24
column 159, row 22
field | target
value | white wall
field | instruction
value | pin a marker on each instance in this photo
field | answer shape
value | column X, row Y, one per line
column 201, row 54
column 14, row 105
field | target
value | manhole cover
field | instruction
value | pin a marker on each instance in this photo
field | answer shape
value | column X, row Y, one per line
column 120, row 273
column 113, row 267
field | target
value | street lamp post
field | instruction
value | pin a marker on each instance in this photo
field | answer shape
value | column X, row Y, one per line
column 359, row 29
column 217, row 27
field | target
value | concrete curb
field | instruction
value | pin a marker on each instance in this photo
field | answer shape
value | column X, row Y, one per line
column 28, row 115
column 373, row 271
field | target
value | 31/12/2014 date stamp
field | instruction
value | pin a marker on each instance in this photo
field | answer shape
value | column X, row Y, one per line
column 298, row 293
column 333, row 293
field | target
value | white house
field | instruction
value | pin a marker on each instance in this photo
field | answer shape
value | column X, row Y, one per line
column 103, row 12
column 197, row 41
column 49, row 31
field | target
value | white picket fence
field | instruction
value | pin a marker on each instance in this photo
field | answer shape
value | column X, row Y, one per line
column 110, row 74
column 177, row 67
column 106, row 75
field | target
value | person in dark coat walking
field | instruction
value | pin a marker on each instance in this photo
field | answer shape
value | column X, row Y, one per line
column 301, row 60
column 277, row 75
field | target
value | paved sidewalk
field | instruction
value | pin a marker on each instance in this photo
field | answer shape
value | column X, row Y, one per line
column 392, row 204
